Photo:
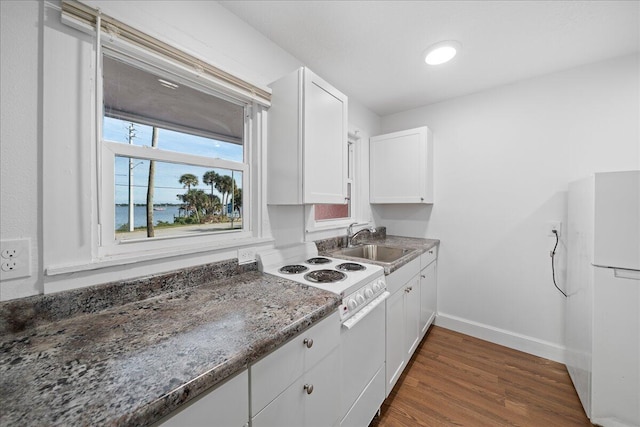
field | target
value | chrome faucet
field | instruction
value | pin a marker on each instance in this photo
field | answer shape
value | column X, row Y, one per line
column 351, row 236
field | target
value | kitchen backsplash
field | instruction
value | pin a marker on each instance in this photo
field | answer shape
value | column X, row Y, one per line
column 328, row 245
column 21, row 314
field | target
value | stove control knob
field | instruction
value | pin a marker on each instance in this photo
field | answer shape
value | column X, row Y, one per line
column 352, row 304
column 376, row 287
column 360, row 298
column 368, row 292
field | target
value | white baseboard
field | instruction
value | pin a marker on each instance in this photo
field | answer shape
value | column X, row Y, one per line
column 503, row 337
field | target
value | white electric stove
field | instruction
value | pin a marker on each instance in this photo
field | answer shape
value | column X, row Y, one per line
column 362, row 339
column 358, row 284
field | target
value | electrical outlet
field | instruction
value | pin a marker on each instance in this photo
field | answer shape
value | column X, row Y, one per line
column 9, row 253
column 246, row 255
column 554, row 225
column 9, row 266
column 15, row 259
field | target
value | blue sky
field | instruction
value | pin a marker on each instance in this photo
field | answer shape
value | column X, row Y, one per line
column 167, row 174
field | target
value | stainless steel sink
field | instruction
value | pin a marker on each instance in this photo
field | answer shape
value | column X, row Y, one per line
column 375, row 253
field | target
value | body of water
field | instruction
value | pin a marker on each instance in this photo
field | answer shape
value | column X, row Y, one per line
column 140, row 215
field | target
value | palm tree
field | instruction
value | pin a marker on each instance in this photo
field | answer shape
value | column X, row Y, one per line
column 213, row 204
column 225, row 187
column 211, row 178
column 188, row 180
column 195, row 201
column 189, row 198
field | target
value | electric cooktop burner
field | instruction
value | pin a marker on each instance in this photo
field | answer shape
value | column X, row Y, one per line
column 325, row 276
column 350, row 266
column 293, row 269
column 318, row 260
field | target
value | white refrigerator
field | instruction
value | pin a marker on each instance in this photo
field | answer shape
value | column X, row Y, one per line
column 602, row 316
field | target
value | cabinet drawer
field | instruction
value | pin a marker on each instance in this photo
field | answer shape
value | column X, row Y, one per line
column 274, row 373
column 428, row 256
column 401, row 276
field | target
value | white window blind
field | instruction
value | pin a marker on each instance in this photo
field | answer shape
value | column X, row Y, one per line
column 84, row 18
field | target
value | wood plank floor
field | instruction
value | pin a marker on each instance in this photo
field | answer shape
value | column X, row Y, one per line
column 457, row 380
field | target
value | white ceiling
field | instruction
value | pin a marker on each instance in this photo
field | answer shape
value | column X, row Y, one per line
column 373, row 50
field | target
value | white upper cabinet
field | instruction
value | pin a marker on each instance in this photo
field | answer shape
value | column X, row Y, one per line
column 307, row 141
column 401, row 167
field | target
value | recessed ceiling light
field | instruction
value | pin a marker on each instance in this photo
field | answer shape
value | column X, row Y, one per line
column 442, row 52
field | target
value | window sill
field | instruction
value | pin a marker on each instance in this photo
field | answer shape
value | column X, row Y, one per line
column 127, row 259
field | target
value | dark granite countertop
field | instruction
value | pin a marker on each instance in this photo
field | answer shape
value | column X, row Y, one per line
column 416, row 245
column 133, row 363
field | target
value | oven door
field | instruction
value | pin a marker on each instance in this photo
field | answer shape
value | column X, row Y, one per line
column 362, row 349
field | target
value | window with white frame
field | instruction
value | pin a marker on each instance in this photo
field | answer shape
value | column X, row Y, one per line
column 162, row 149
column 174, row 155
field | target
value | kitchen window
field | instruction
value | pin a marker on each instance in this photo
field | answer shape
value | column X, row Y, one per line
column 146, row 132
column 173, row 156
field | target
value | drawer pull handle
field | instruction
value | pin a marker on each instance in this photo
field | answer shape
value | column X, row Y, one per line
column 309, row 343
column 431, row 252
column 409, row 289
column 308, row 388
column 423, row 276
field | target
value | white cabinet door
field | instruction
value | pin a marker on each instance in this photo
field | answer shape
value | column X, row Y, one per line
column 227, row 405
column 395, row 350
column 307, row 141
column 401, row 167
column 312, row 400
column 428, row 297
column 322, row 405
column 412, row 316
column 286, row 410
column 325, row 142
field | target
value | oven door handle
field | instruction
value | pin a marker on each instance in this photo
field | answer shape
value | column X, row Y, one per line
column 353, row 320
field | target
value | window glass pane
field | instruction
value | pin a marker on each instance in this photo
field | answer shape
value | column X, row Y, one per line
column 178, row 199
column 323, row 212
column 189, row 121
column 328, row 212
column 128, row 132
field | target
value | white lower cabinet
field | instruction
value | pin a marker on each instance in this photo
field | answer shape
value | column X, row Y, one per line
column 428, row 289
column 396, row 356
column 411, row 309
column 298, row 384
column 402, row 319
column 311, row 401
column 227, row 405
column 412, row 316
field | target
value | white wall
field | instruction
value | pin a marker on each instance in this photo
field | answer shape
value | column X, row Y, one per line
column 503, row 159
column 46, row 67
column 46, row 134
column 20, row 135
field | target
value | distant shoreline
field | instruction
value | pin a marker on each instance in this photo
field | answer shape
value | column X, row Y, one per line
column 144, row 204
